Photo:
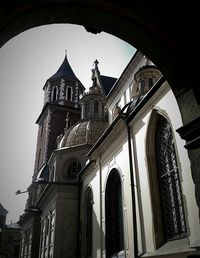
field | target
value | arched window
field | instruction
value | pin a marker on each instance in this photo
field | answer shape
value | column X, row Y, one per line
column 69, row 93
column 169, row 183
column 150, row 80
column 87, row 109
column 73, row 170
column 142, row 83
column 88, row 223
column 114, row 215
column 96, row 108
column 54, row 93
column 166, row 194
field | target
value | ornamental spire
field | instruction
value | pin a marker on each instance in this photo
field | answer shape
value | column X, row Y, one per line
column 96, row 63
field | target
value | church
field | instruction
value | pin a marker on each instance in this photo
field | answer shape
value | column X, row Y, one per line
column 112, row 178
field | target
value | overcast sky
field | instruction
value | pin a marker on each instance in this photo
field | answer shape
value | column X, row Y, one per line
column 26, row 62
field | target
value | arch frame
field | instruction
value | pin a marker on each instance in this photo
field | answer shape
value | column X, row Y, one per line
column 116, row 170
column 155, row 197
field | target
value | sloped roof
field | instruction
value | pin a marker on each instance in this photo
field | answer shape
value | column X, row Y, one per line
column 107, row 83
column 14, row 226
column 64, row 70
column 3, row 211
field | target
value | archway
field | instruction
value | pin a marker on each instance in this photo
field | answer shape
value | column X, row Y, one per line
column 160, row 31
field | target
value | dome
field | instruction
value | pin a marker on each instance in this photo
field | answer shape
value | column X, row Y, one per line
column 84, row 132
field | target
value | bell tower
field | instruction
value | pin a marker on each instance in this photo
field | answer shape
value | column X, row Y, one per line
column 146, row 77
column 61, row 110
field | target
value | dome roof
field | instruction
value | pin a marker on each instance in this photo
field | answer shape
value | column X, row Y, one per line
column 84, row 132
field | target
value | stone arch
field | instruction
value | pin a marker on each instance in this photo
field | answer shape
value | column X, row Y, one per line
column 142, row 25
column 114, row 237
column 129, row 22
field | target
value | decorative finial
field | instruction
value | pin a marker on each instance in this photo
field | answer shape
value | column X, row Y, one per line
column 96, row 63
column 65, row 52
column 93, row 74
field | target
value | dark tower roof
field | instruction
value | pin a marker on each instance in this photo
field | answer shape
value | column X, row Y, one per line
column 3, row 211
column 64, row 70
column 108, row 83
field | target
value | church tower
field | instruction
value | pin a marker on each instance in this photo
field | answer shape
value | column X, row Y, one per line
column 61, row 110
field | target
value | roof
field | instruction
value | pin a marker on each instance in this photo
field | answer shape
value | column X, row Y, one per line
column 3, row 211
column 107, row 83
column 64, row 70
column 84, row 132
column 14, row 226
column 42, row 174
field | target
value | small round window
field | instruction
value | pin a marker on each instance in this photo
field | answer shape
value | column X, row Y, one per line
column 73, row 170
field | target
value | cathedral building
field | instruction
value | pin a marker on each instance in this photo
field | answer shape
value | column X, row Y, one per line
column 112, row 177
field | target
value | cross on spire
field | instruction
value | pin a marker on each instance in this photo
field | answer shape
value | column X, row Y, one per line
column 96, row 63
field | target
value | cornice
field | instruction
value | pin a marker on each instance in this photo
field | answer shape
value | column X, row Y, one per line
column 130, row 70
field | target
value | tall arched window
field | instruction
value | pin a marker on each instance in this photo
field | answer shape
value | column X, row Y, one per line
column 54, row 93
column 69, row 93
column 96, row 108
column 166, row 194
column 150, row 80
column 169, row 183
column 87, row 109
column 142, row 86
column 88, row 223
column 114, row 215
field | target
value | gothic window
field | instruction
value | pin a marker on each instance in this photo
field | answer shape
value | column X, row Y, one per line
column 54, row 93
column 114, row 215
column 169, row 184
column 88, row 223
column 142, row 83
column 150, row 80
column 73, row 170
column 87, row 109
column 96, row 108
column 69, row 93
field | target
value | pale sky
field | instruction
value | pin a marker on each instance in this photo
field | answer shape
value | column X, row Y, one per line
column 26, row 62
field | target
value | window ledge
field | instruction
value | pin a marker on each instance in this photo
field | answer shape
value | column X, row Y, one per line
column 172, row 247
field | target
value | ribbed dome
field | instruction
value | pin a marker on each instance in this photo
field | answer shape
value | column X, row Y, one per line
column 85, row 132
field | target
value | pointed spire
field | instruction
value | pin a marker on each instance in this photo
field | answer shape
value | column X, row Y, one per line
column 3, row 211
column 64, row 70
